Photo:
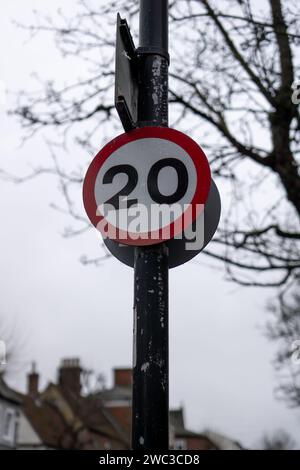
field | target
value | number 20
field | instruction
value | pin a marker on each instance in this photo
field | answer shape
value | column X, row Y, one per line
column 152, row 182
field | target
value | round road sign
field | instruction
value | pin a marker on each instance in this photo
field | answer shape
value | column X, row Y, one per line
column 146, row 186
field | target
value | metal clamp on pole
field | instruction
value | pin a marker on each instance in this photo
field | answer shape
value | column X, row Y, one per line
column 153, row 50
column 150, row 400
column 126, row 86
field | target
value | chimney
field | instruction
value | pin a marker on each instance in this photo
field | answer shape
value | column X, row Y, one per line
column 122, row 377
column 69, row 375
column 33, row 382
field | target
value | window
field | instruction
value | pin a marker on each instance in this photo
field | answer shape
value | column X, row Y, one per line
column 179, row 444
column 16, row 430
column 8, row 430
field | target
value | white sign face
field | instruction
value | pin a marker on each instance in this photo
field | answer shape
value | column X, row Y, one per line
column 148, row 162
column 146, row 185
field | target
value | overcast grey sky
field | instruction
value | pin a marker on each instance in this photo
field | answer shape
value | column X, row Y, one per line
column 219, row 360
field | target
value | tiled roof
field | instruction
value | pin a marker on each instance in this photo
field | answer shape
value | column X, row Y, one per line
column 91, row 412
column 46, row 421
column 59, row 414
column 8, row 394
column 53, row 428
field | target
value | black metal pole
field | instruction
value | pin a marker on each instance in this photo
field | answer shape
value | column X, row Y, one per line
column 150, row 398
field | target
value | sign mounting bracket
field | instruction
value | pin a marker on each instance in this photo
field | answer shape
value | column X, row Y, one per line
column 126, row 83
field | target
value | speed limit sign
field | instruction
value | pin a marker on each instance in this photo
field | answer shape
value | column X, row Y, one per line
column 146, row 186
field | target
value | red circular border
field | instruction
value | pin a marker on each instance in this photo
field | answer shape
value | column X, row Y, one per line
column 191, row 148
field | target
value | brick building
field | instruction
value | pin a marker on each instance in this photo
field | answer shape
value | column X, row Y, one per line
column 62, row 417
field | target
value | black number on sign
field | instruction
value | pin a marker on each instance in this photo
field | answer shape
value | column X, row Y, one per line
column 152, row 182
column 182, row 184
column 132, row 174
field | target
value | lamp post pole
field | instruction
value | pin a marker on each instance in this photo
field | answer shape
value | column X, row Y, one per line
column 150, row 398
